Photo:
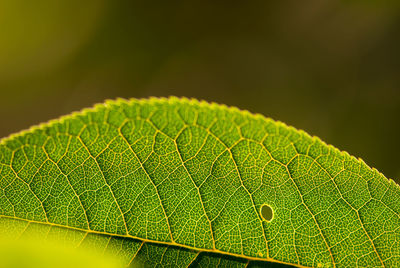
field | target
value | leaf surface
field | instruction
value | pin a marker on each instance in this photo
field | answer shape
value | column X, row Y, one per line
column 180, row 182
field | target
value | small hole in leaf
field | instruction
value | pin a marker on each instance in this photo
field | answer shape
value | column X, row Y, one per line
column 266, row 212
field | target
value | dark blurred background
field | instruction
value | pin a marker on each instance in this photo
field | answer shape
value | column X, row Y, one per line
column 331, row 68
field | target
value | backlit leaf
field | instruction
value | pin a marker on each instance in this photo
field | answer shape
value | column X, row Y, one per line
column 178, row 182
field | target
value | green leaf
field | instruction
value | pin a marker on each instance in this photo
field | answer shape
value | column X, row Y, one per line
column 180, row 182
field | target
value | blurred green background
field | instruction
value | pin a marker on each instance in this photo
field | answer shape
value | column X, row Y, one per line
column 331, row 68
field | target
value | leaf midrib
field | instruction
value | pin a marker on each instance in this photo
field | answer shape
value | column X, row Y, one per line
column 144, row 240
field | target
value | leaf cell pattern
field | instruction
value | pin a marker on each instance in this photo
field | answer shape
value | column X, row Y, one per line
column 178, row 182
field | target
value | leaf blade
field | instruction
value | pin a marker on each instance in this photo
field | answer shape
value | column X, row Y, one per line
column 194, row 175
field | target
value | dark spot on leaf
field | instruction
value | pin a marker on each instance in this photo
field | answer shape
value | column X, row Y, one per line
column 266, row 212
